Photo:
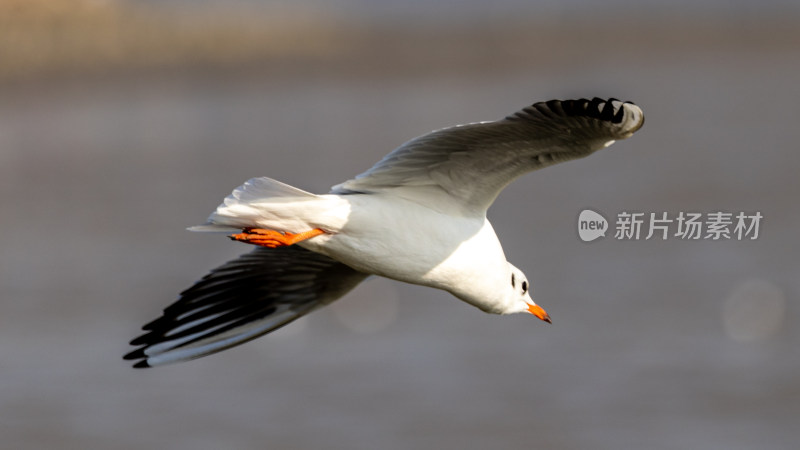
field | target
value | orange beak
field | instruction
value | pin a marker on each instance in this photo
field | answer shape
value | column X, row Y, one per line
column 537, row 311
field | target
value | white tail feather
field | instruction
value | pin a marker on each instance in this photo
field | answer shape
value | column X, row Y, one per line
column 262, row 188
column 262, row 202
column 209, row 227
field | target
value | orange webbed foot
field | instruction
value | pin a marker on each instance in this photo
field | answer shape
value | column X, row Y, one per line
column 272, row 238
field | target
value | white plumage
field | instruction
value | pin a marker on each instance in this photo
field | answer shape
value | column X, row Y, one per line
column 418, row 216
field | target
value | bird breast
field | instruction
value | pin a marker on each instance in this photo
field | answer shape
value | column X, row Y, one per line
column 403, row 240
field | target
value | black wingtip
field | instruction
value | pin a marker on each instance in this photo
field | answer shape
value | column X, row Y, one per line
column 608, row 112
column 141, row 340
column 141, row 365
column 610, row 109
column 136, row 354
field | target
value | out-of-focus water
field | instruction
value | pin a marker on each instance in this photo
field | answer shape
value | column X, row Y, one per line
column 478, row 10
column 655, row 344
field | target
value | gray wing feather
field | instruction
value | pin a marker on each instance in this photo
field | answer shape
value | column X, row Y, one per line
column 465, row 167
column 241, row 300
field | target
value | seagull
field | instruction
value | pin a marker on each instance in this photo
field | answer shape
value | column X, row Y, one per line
column 417, row 216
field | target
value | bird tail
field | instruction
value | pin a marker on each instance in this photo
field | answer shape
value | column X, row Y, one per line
column 256, row 201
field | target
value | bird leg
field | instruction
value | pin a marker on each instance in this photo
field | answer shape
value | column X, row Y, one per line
column 272, row 238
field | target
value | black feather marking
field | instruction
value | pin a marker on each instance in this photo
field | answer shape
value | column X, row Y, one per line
column 251, row 311
column 596, row 108
column 593, row 109
column 620, row 113
column 244, row 321
column 608, row 111
column 248, row 289
column 136, row 354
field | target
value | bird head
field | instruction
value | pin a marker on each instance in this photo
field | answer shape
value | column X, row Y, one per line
column 520, row 296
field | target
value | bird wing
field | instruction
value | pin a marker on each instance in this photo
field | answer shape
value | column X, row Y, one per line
column 241, row 300
column 465, row 167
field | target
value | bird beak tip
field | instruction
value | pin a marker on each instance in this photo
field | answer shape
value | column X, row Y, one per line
column 539, row 312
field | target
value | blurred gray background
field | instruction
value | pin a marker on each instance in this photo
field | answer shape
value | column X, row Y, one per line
column 121, row 123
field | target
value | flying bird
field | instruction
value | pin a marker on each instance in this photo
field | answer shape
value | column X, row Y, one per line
column 417, row 216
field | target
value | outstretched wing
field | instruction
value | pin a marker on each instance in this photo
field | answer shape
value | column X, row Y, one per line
column 465, row 167
column 241, row 300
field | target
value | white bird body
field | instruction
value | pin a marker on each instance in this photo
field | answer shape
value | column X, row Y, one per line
column 448, row 252
column 417, row 216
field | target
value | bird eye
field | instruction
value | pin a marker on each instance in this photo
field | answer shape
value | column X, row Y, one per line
column 524, row 287
column 513, row 282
